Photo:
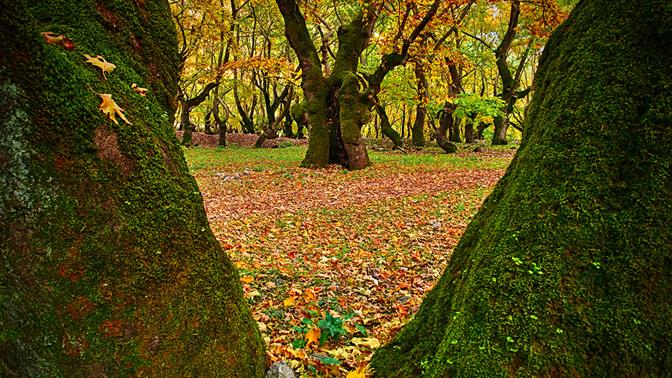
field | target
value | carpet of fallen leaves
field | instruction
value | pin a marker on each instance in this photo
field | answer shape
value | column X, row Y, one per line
column 332, row 262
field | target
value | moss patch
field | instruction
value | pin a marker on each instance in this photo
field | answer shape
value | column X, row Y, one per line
column 565, row 271
column 110, row 266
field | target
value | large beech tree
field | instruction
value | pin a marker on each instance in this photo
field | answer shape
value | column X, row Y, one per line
column 337, row 101
column 107, row 264
column 567, row 268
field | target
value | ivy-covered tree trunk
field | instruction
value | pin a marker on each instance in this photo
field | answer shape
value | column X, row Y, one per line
column 107, row 264
column 567, row 268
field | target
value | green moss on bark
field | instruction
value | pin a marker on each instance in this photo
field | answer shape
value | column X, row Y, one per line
column 109, row 266
column 566, row 270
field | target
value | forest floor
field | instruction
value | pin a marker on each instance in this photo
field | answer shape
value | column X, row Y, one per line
column 333, row 262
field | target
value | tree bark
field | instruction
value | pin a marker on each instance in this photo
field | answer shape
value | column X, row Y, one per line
column 189, row 104
column 108, row 266
column 386, row 127
column 336, row 108
column 445, row 124
column 418, row 130
column 469, row 134
column 565, row 270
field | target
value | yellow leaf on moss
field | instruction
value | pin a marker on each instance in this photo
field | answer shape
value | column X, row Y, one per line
column 139, row 90
column 101, row 63
column 111, row 109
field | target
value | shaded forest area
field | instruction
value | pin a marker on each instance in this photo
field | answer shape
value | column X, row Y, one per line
column 335, row 188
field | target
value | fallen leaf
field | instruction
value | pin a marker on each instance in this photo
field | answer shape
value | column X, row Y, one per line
column 313, row 336
column 370, row 342
column 110, row 108
column 101, row 63
column 247, row 279
column 361, row 372
column 61, row 39
column 139, row 90
column 289, row 302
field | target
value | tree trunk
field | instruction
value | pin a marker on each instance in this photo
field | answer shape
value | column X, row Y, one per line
column 207, row 125
column 387, row 129
column 480, row 129
column 445, row 124
column 108, row 266
column 189, row 104
column 300, row 116
column 287, row 128
column 469, row 134
column 185, row 121
column 418, row 130
column 565, row 270
column 337, row 109
column 501, row 127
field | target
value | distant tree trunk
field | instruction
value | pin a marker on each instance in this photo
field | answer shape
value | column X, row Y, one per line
column 386, row 127
column 454, row 130
column 510, row 82
column 418, row 130
column 287, row 128
column 272, row 129
column 469, row 134
column 300, row 116
column 187, row 105
column 108, row 266
column 566, row 269
column 480, row 129
column 207, row 124
column 446, row 123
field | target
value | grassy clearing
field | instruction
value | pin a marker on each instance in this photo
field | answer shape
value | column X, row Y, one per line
column 334, row 262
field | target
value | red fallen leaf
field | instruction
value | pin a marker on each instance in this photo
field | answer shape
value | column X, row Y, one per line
column 68, row 44
column 61, row 40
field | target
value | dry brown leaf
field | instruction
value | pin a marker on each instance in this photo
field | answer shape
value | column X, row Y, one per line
column 101, row 63
column 61, row 39
column 139, row 90
column 111, row 109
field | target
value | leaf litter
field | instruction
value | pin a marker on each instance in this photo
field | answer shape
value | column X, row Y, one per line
column 333, row 263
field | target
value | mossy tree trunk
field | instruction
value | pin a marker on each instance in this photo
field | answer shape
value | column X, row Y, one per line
column 107, row 264
column 336, row 108
column 300, row 116
column 567, row 270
